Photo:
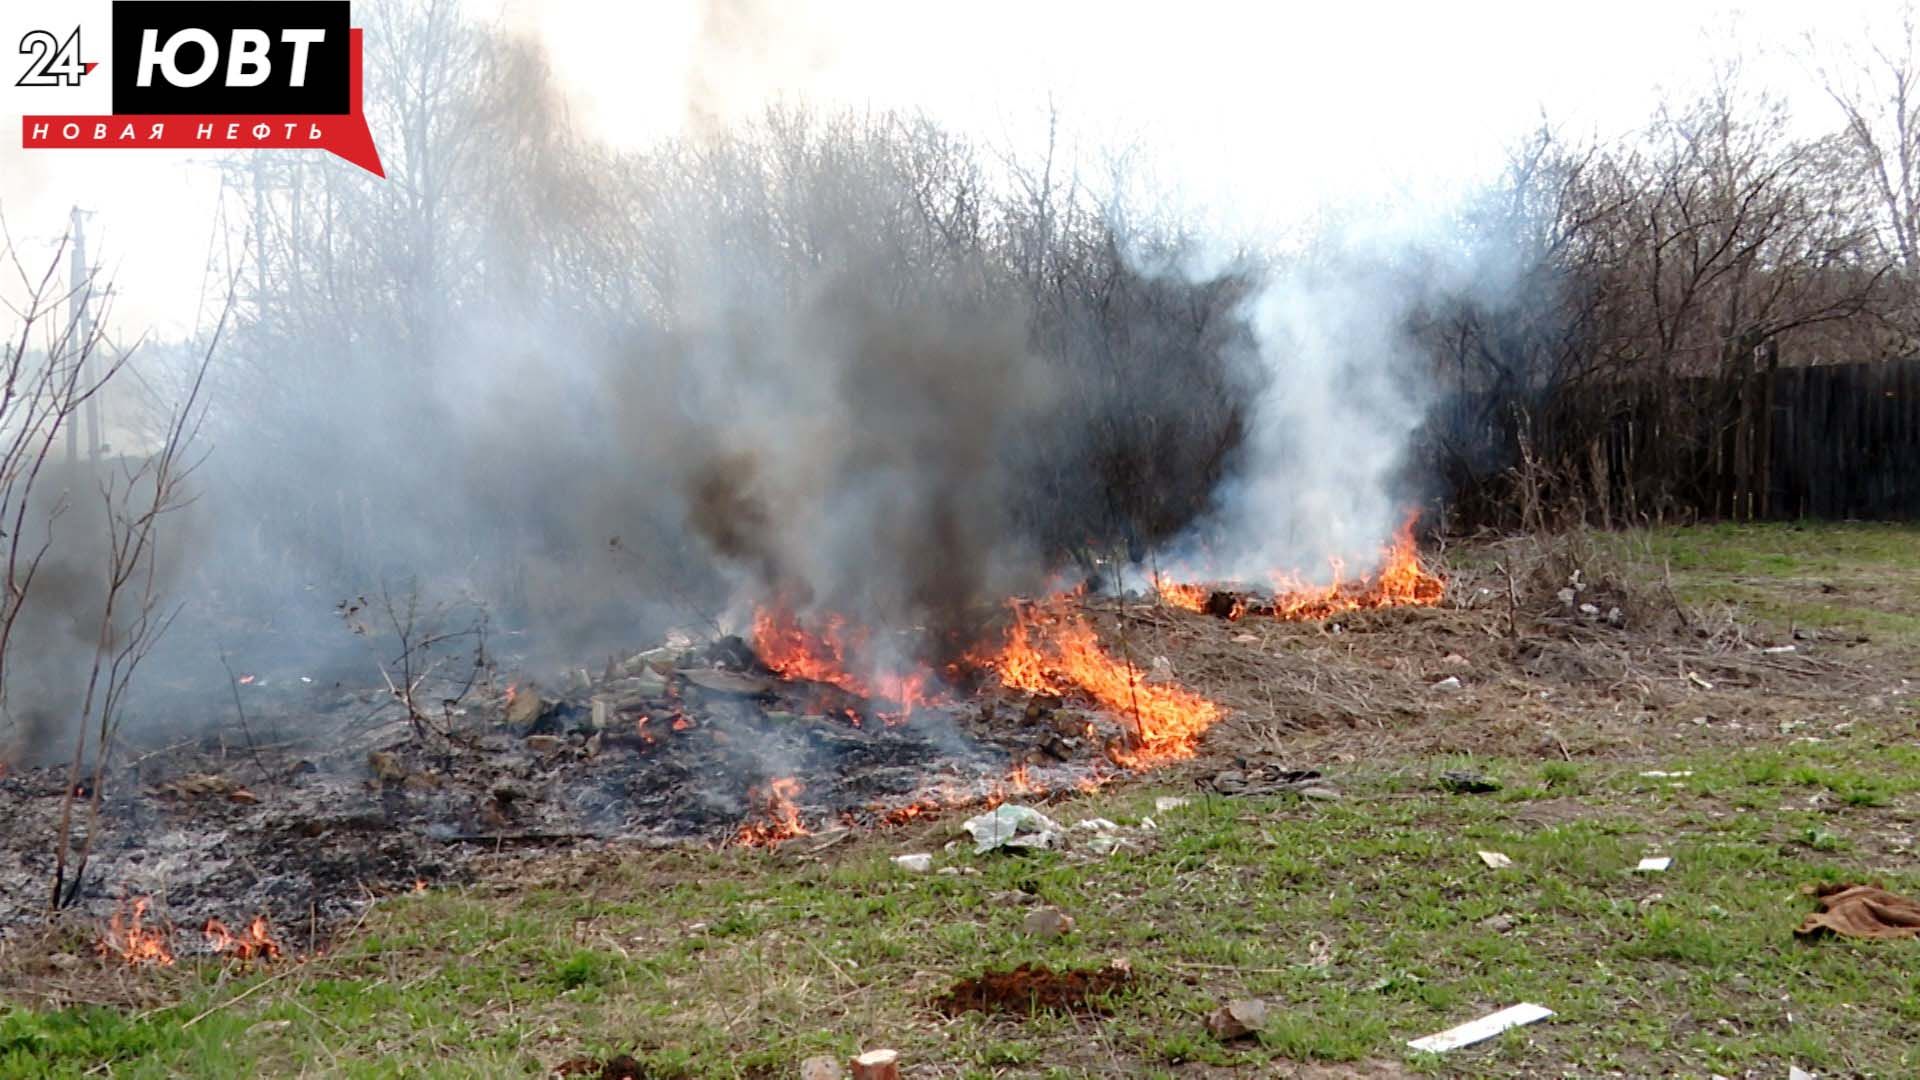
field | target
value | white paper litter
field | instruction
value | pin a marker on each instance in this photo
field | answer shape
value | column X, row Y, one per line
column 1795, row 1072
column 1168, row 802
column 1482, row 1029
column 1656, row 774
column 1495, row 860
column 1655, row 862
column 918, row 863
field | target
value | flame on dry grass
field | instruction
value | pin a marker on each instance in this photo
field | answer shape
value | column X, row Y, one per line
column 254, row 942
column 779, row 817
column 129, row 938
column 1051, row 649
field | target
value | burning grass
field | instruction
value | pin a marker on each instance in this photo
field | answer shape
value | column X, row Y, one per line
column 1400, row 579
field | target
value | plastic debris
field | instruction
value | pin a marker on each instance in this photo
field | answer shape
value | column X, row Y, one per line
column 1169, row 802
column 1654, row 863
column 917, row 863
column 1012, row 825
column 1238, row 1019
column 1495, row 860
column 1482, row 1029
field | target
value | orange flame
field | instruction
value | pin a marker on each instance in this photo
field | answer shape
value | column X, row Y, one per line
column 823, row 656
column 129, row 938
column 1050, row 650
column 1401, row 581
column 1181, row 595
column 256, row 942
column 781, row 817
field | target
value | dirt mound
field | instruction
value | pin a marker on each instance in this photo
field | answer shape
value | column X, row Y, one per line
column 1032, row 988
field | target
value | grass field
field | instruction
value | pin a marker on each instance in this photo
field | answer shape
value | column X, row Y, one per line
column 1364, row 921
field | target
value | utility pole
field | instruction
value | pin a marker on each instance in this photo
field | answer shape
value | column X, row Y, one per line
column 76, row 311
column 80, row 311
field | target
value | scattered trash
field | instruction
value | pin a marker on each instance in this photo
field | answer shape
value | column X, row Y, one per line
column 1097, row 824
column 1262, row 780
column 1237, row 1019
column 1012, row 825
column 1654, row 864
column 877, row 1065
column 1795, row 1072
column 1467, row 783
column 1775, row 651
column 1656, row 774
column 1495, row 860
column 1482, row 1029
column 917, row 863
column 1047, row 923
column 1694, row 678
column 1861, row 911
column 821, row 1068
column 1497, row 924
column 1446, row 685
column 1169, row 802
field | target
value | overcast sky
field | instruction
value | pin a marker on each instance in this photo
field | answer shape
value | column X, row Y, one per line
column 1256, row 112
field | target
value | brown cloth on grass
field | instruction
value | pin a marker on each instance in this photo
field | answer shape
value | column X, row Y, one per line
column 1862, row 911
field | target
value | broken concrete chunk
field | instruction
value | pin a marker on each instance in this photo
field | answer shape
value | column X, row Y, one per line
column 1047, row 923
column 1238, row 1019
column 821, row 1068
column 526, row 708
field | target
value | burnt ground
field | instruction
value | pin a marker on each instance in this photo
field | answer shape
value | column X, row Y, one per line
column 328, row 798
column 1749, row 709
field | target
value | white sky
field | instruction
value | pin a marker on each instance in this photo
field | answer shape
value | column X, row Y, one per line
column 1257, row 112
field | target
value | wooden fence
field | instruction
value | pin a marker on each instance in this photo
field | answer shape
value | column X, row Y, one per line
column 1777, row 443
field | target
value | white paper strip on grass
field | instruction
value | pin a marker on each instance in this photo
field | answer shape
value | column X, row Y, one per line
column 1482, row 1029
column 1495, row 860
column 1655, row 863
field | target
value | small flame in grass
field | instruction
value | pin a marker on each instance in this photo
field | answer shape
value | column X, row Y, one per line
column 132, row 940
column 780, row 817
column 255, row 942
column 246, row 680
column 513, row 691
column 419, row 885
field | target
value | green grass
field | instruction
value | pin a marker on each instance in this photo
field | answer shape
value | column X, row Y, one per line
column 1365, row 921
column 1856, row 576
